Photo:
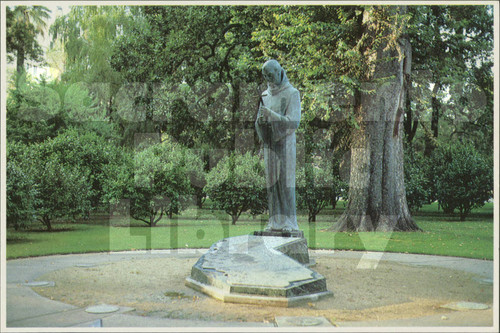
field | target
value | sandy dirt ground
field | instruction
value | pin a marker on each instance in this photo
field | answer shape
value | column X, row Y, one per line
column 155, row 287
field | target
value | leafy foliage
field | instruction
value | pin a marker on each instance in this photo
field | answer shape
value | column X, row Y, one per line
column 59, row 177
column 24, row 24
column 33, row 112
column 158, row 181
column 22, row 191
column 202, row 53
column 463, row 179
column 90, row 84
column 318, row 186
column 37, row 111
column 87, row 152
column 322, row 49
column 417, row 184
column 237, row 185
column 87, row 33
column 452, row 60
column 63, row 190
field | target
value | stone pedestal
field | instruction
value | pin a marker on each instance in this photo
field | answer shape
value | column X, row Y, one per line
column 252, row 269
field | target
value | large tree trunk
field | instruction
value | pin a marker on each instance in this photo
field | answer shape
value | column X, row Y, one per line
column 377, row 196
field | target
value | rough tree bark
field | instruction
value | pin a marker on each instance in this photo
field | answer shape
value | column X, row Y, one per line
column 377, row 196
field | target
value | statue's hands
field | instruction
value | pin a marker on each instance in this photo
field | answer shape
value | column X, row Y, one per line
column 265, row 111
column 269, row 114
column 261, row 119
column 263, row 115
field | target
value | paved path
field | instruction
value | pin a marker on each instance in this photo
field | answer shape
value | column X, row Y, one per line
column 25, row 308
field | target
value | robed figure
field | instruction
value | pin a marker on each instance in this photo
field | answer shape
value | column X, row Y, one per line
column 277, row 119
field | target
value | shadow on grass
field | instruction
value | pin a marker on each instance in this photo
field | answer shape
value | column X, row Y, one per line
column 441, row 216
column 20, row 240
column 55, row 229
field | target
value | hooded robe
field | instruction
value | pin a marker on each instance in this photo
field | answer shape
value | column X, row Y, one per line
column 278, row 138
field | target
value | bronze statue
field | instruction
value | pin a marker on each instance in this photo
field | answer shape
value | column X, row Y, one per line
column 277, row 119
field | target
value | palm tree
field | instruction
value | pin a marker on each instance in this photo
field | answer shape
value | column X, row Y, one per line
column 24, row 24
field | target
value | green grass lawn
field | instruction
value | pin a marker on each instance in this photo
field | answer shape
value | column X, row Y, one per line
column 442, row 235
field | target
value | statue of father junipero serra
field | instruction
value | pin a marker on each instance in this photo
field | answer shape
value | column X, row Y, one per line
column 277, row 119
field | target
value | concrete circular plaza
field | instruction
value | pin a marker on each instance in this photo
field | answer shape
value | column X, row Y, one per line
column 146, row 289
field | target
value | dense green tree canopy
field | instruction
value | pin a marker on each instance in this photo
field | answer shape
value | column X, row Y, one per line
column 452, row 52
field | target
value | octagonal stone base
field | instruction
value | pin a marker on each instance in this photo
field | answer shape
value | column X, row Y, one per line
column 258, row 270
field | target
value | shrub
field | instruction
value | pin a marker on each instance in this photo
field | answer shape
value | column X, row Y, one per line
column 237, row 184
column 21, row 190
column 63, row 191
column 157, row 181
column 463, row 179
column 68, row 173
column 89, row 153
column 43, row 186
column 317, row 186
column 59, row 189
column 417, row 184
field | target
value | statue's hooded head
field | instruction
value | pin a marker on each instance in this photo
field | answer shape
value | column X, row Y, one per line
column 275, row 75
